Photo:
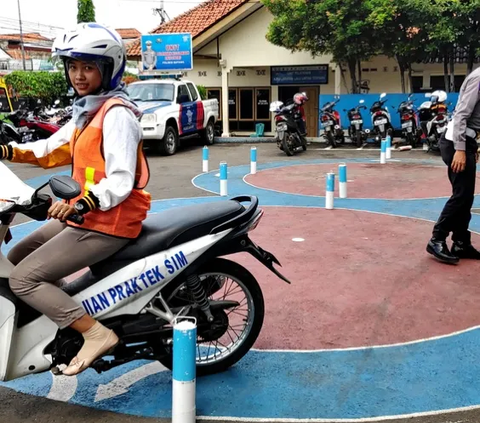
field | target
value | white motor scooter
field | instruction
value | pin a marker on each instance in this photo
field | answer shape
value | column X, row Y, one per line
column 172, row 269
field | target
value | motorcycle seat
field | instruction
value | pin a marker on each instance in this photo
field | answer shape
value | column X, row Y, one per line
column 161, row 231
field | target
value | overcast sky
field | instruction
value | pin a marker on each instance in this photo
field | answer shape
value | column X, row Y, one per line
column 47, row 16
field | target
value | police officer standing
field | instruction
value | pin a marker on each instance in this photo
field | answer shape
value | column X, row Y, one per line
column 458, row 147
column 149, row 57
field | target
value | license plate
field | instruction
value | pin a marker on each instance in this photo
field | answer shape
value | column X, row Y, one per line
column 381, row 122
column 441, row 129
column 328, row 123
column 357, row 122
column 407, row 124
column 282, row 127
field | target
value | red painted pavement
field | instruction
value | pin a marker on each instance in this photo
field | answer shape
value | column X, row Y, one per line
column 366, row 180
column 359, row 279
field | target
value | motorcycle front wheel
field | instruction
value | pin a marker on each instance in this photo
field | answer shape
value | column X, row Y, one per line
column 234, row 330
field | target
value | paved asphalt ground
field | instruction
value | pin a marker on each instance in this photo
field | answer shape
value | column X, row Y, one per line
column 171, row 178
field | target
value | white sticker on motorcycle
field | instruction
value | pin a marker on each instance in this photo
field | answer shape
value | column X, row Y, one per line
column 126, row 289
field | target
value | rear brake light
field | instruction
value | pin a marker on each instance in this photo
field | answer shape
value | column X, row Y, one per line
column 255, row 223
column 378, row 113
column 279, row 118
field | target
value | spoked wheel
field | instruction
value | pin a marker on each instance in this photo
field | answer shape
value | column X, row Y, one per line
column 238, row 309
column 287, row 144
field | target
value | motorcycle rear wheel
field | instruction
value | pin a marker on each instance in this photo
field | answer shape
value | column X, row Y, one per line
column 234, row 279
column 287, row 146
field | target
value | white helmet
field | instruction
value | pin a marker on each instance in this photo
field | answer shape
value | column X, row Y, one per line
column 94, row 42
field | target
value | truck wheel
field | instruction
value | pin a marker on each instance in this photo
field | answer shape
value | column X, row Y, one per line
column 208, row 134
column 169, row 144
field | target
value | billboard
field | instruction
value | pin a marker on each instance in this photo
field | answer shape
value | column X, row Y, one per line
column 167, row 52
column 299, row 75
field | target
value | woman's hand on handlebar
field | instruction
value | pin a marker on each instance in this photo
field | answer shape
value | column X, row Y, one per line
column 61, row 211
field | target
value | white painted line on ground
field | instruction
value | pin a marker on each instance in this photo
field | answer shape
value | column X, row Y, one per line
column 298, row 239
column 63, row 388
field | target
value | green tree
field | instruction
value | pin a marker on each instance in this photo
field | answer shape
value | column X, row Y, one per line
column 468, row 18
column 47, row 86
column 400, row 38
column 342, row 28
column 86, row 11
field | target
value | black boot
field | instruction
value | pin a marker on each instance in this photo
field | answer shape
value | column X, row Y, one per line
column 440, row 251
column 465, row 250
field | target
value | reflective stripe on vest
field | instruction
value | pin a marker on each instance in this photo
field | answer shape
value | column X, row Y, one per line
column 89, row 178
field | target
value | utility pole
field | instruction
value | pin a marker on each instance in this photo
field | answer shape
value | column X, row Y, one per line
column 21, row 35
column 162, row 12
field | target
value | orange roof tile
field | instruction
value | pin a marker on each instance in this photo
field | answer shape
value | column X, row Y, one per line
column 16, row 54
column 29, row 36
column 194, row 21
column 127, row 33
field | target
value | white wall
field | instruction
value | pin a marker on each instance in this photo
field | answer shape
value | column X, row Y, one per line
column 246, row 45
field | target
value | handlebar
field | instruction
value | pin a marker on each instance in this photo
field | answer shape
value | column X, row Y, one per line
column 76, row 218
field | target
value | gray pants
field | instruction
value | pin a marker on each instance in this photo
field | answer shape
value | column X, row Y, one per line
column 49, row 254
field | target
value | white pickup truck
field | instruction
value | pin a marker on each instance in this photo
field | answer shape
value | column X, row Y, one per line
column 173, row 109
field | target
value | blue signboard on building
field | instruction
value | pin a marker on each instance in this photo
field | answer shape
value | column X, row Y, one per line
column 299, row 75
column 167, row 52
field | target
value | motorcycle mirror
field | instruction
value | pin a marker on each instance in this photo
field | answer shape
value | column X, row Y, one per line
column 383, row 95
column 57, row 102
column 65, row 187
column 362, row 101
column 428, row 95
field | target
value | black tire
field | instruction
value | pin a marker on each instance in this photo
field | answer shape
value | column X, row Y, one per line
column 411, row 140
column 359, row 140
column 331, row 140
column 238, row 272
column 208, row 134
column 286, row 147
column 168, row 146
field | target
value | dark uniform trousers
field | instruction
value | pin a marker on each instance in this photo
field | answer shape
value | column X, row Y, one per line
column 456, row 214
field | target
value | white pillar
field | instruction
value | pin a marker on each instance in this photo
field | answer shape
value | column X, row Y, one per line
column 225, row 117
column 338, row 80
column 274, row 92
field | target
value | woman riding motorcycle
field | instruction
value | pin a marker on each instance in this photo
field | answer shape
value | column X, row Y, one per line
column 103, row 144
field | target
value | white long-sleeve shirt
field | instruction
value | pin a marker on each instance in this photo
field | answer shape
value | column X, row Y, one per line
column 121, row 135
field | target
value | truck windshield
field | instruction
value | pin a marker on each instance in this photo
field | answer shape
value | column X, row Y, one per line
column 151, row 92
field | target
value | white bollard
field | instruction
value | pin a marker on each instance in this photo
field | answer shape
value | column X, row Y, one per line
column 329, row 196
column 184, row 370
column 253, row 161
column 383, row 152
column 342, row 180
column 389, row 147
column 205, row 159
column 223, row 179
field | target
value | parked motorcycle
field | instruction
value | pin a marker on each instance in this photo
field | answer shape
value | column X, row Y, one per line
column 172, row 270
column 288, row 134
column 332, row 125
column 381, row 119
column 9, row 132
column 355, row 131
column 409, row 121
column 433, row 116
column 40, row 129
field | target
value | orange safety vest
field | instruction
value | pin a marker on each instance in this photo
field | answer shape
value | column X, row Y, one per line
column 124, row 220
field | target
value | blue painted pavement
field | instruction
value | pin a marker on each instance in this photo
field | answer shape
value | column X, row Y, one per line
column 420, row 377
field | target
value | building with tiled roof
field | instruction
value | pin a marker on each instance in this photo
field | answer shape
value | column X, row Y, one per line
column 234, row 61
column 29, row 37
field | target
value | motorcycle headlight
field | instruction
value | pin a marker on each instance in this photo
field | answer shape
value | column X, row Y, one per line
column 149, row 118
